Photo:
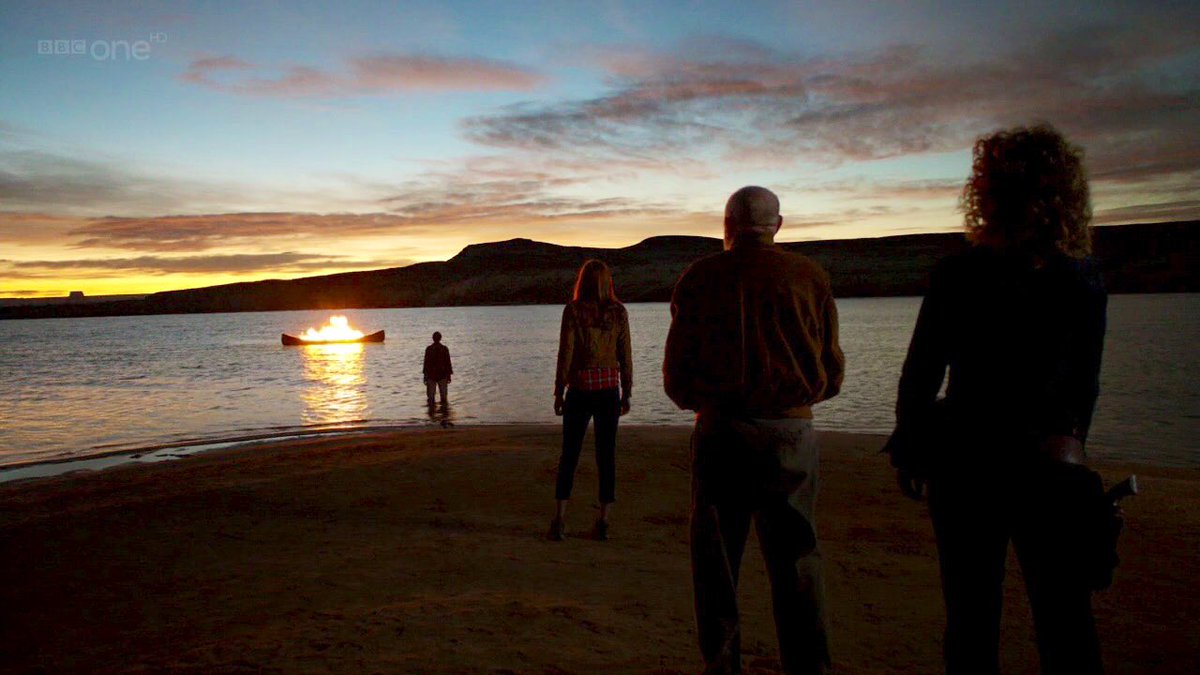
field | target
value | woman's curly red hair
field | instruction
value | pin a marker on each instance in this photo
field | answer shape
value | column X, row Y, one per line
column 1028, row 191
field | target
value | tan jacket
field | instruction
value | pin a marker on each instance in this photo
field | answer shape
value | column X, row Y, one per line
column 592, row 338
column 754, row 332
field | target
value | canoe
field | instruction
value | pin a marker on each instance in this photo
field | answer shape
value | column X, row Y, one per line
column 377, row 336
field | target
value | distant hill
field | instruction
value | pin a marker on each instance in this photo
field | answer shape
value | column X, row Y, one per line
column 1159, row 257
column 72, row 299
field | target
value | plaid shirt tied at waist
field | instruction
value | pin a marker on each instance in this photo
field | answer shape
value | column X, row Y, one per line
column 595, row 379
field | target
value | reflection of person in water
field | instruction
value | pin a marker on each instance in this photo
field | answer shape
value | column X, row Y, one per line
column 437, row 370
column 441, row 414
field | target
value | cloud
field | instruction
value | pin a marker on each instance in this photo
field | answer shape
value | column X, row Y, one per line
column 8, row 130
column 377, row 74
column 738, row 103
column 205, row 231
column 1184, row 209
column 281, row 263
column 884, row 189
column 453, row 201
column 35, row 228
column 396, row 72
column 213, row 64
column 40, row 181
column 507, row 192
column 34, row 179
column 202, row 232
column 494, row 197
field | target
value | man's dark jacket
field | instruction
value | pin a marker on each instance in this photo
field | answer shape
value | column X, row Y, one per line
column 437, row 362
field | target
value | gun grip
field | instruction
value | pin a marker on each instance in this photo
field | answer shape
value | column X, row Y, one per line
column 1126, row 488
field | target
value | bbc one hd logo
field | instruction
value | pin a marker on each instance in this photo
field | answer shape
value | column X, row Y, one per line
column 102, row 50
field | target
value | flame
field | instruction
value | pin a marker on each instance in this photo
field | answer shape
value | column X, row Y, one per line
column 338, row 328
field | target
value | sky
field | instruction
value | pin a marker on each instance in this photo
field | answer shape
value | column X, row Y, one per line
column 148, row 146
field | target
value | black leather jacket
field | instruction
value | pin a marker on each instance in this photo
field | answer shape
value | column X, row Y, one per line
column 1022, row 343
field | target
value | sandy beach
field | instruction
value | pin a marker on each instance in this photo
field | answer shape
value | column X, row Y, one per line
column 423, row 551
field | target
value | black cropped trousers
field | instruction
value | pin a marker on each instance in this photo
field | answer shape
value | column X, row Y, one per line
column 579, row 408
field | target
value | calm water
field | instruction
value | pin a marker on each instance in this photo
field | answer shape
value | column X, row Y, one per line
column 82, row 386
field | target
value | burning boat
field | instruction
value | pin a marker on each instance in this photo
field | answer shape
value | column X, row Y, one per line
column 337, row 331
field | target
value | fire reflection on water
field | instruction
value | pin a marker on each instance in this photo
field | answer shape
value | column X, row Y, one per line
column 336, row 391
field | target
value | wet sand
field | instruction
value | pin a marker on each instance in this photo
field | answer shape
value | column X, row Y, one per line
column 423, row 551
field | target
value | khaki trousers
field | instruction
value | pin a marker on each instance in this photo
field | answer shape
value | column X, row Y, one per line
column 765, row 472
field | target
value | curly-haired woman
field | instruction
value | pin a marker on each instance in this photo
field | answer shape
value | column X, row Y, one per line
column 593, row 381
column 1018, row 319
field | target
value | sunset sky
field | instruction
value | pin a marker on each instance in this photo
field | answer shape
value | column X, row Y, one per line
column 187, row 144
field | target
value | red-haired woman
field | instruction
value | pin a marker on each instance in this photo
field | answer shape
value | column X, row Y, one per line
column 593, row 380
column 1018, row 319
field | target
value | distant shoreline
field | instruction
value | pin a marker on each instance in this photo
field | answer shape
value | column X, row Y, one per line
column 1145, row 258
column 68, row 300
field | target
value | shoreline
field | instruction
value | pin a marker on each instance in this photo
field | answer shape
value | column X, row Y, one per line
column 33, row 469
column 423, row 550
column 42, row 468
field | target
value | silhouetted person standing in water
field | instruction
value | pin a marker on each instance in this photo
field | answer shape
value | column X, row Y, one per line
column 593, row 381
column 753, row 344
column 437, row 370
column 1018, row 319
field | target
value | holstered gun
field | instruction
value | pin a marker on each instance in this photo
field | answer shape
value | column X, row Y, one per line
column 1126, row 488
column 1112, row 522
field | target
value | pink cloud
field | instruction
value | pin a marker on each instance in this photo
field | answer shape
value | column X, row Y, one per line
column 205, row 231
column 377, row 74
column 395, row 72
column 235, row 263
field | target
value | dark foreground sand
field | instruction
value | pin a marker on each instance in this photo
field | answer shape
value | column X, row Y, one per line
column 422, row 551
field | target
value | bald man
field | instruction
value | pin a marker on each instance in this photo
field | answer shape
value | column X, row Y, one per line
column 753, row 345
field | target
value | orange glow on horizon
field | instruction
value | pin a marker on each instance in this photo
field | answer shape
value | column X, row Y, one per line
column 599, row 233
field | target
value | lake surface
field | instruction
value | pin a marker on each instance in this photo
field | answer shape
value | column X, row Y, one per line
column 78, row 387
